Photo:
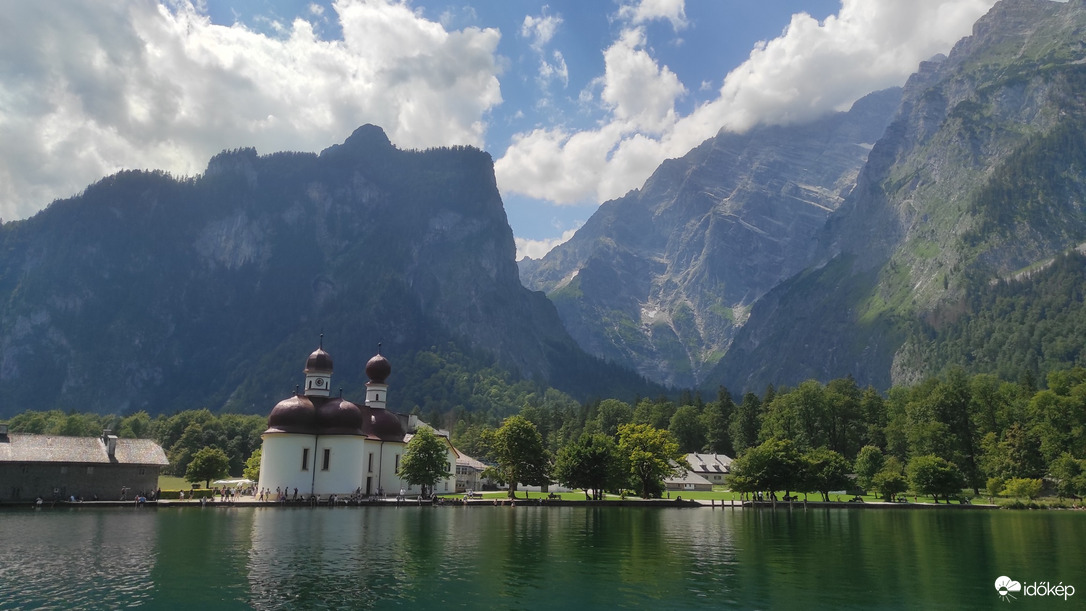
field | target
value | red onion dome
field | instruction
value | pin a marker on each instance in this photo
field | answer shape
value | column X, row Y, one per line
column 319, row 361
column 378, row 369
column 338, row 417
column 384, row 425
column 293, row 415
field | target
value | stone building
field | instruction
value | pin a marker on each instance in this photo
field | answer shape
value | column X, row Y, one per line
column 52, row 467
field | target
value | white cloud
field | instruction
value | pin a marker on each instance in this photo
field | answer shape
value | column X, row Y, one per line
column 812, row 68
column 640, row 93
column 573, row 167
column 91, row 87
column 555, row 70
column 540, row 30
column 815, row 67
column 537, row 248
column 644, row 11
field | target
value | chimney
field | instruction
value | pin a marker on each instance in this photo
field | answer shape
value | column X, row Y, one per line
column 111, row 442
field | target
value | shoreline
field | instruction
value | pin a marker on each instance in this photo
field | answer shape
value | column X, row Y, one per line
column 506, row 502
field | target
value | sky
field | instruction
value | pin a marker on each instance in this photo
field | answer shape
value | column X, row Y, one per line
column 577, row 101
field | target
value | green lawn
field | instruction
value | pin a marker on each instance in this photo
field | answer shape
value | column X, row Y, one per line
column 171, row 482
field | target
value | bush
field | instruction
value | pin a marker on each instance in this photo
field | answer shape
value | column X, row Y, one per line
column 1024, row 487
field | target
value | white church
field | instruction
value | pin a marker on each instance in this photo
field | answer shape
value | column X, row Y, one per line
column 323, row 445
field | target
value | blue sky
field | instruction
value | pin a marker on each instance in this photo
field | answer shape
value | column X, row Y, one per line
column 578, row 102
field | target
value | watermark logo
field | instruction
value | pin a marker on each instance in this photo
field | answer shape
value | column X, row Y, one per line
column 1005, row 585
column 1007, row 588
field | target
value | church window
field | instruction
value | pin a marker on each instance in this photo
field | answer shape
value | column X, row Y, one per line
column 305, row 459
column 370, row 466
column 327, row 459
column 397, row 463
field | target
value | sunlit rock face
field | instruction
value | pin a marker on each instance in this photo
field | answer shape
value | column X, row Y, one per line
column 662, row 278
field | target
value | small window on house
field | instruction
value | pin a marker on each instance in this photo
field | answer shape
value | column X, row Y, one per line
column 305, row 459
column 397, row 463
column 143, row 471
column 327, row 459
column 370, row 467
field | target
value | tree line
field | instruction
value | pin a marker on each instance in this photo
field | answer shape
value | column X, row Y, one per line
column 937, row 437
column 948, row 433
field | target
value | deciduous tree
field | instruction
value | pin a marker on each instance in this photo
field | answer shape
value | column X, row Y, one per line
column 612, row 413
column 652, row 454
column 890, row 480
column 207, row 463
column 1069, row 475
column 518, row 449
column 868, row 463
column 936, row 476
column 773, row 465
column 825, row 470
column 592, row 463
column 252, row 465
column 425, row 460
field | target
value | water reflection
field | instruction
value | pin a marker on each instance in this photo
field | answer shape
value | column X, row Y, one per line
column 528, row 557
column 63, row 559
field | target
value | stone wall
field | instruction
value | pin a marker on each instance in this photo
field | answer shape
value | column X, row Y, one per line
column 59, row 481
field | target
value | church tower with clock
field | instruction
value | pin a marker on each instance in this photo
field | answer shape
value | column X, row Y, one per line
column 318, row 372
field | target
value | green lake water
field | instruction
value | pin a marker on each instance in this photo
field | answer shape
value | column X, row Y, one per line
column 535, row 558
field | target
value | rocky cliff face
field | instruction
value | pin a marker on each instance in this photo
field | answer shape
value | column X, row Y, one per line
column 149, row 292
column 980, row 174
column 662, row 278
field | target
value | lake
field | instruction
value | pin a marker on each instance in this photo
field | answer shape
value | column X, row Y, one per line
column 534, row 558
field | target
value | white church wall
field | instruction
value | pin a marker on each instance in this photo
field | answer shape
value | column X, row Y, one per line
column 342, row 474
column 281, row 463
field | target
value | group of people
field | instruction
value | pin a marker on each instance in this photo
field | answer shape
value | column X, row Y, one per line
column 226, row 495
column 139, row 497
column 291, row 495
column 282, row 495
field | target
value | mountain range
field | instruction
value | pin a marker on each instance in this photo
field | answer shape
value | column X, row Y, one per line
column 927, row 227
column 841, row 247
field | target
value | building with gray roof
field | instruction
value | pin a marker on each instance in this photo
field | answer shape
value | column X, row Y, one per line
column 53, row 467
column 712, row 467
